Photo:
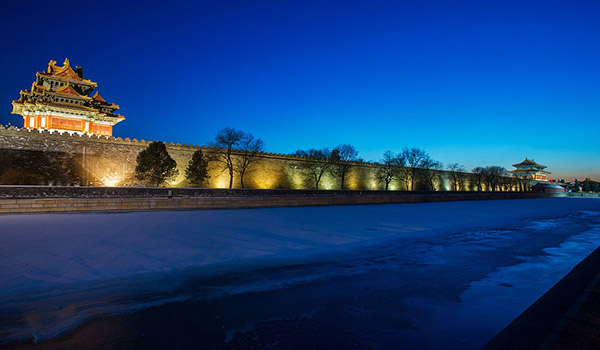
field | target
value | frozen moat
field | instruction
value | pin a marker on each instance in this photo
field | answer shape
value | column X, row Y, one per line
column 414, row 276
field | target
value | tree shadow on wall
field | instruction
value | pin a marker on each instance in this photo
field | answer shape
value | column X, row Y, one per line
column 28, row 167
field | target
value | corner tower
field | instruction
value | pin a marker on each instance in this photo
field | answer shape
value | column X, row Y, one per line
column 59, row 100
column 530, row 170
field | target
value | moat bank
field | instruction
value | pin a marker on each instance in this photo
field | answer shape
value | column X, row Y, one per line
column 41, row 199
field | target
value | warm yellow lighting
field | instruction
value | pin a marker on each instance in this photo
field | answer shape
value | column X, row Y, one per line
column 111, row 179
column 265, row 178
column 373, row 185
column 297, row 181
column 221, row 182
column 352, row 183
column 327, row 183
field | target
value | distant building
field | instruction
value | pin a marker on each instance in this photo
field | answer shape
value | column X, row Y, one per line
column 548, row 188
column 530, row 170
column 60, row 101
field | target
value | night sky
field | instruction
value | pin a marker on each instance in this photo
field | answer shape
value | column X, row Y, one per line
column 474, row 82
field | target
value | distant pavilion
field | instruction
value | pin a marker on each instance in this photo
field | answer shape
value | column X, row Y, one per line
column 59, row 100
column 530, row 170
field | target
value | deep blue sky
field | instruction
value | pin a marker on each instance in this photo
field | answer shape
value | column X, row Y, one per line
column 473, row 82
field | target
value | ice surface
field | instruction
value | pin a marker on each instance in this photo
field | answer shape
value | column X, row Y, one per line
column 57, row 270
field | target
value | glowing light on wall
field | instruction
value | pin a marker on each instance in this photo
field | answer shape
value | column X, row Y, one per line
column 327, row 183
column 221, row 182
column 297, row 180
column 374, row 186
column 112, row 179
column 264, row 181
column 265, row 177
column 352, row 183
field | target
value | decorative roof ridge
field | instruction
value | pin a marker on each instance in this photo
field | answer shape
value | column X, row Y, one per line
column 97, row 97
column 528, row 161
column 65, row 68
column 55, row 70
column 70, row 88
column 56, row 92
column 35, row 86
column 82, row 81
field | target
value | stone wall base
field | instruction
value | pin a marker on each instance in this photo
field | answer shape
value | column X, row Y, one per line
column 50, row 205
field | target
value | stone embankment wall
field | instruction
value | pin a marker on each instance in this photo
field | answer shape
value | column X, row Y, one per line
column 40, row 199
column 583, row 194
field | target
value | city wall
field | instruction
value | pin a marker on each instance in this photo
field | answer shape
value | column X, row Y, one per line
column 109, row 161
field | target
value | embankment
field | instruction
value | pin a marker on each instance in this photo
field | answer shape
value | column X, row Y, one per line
column 42, row 199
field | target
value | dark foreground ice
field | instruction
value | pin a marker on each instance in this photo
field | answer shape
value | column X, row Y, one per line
column 426, row 276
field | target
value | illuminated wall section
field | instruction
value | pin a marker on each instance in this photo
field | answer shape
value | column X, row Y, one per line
column 107, row 161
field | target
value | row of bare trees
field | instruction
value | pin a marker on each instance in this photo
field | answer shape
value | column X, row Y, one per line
column 409, row 166
column 318, row 162
column 236, row 152
column 493, row 178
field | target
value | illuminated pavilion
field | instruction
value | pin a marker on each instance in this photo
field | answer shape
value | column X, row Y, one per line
column 59, row 100
column 530, row 170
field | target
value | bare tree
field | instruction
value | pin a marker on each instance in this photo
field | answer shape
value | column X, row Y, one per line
column 388, row 168
column 523, row 185
column 508, row 182
column 248, row 151
column 478, row 177
column 236, row 151
column 226, row 141
column 429, row 173
column 341, row 161
column 412, row 159
column 458, row 176
column 315, row 164
column 493, row 177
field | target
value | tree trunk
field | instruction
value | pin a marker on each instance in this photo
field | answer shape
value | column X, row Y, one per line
column 230, row 179
column 387, row 185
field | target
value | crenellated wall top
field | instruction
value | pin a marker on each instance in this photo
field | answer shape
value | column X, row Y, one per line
column 65, row 136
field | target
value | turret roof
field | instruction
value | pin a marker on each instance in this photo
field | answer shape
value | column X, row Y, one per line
column 65, row 73
column 69, row 96
column 529, row 162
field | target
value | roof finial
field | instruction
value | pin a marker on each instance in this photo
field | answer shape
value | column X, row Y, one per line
column 66, row 62
column 51, row 64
